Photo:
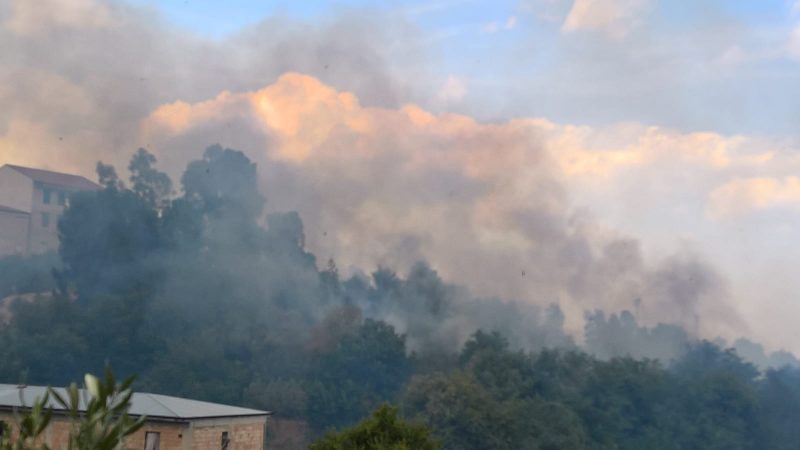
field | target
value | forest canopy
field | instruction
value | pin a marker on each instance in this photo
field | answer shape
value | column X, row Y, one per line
column 201, row 294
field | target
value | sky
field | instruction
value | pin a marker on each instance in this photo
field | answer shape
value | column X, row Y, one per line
column 721, row 65
column 620, row 153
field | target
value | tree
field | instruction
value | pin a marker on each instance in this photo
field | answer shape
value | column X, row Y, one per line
column 459, row 410
column 779, row 404
column 363, row 370
column 107, row 176
column 482, row 341
column 151, row 185
column 384, row 430
column 27, row 274
column 106, row 237
column 224, row 183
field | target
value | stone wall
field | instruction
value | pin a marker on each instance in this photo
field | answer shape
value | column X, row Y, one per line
column 244, row 434
column 13, row 233
column 172, row 436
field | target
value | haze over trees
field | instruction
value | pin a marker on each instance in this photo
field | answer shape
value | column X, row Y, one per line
column 192, row 288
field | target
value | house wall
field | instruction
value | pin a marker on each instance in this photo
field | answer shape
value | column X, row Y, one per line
column 20, row 192
column 13, row 233
column 44, row 234
column 244, row 434
column 172, row 436
column 16, row 190
column 56, row 436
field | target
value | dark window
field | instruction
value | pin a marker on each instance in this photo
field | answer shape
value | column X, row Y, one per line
column 45, row 220
column 62, row 198
column 46, row 196
column 152, row 440
column 226, row 440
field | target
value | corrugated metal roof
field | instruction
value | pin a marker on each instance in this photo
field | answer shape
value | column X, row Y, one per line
column 56, row 178
column 9, row 209
column 142, row 404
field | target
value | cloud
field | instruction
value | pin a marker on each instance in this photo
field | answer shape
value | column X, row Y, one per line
column 615, row 18
column 490, row 27
column 394, row 185
column 511, row 23
column 793, row 46
column 33, row 17
column 495, row 26
column 342, row 117
column 732, row 56
column 746, row 195
column 453, row 89
column 596, row 154
column 86, row 86
column 549, row 11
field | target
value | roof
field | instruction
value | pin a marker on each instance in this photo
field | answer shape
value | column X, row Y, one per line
column 154, row 406
column 8, row 209
column 56, row 178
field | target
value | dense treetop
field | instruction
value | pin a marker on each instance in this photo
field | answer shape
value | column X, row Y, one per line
column 196, row 290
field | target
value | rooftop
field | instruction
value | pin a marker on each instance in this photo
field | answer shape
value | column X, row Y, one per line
column 8, row 209
column 56, row 178
column 153, row 406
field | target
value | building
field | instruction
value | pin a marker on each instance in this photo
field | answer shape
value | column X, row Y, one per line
column 172, row 423
column 31, row 201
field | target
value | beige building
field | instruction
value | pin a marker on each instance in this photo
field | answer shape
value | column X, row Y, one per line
column 31, row 202
column 172, row 423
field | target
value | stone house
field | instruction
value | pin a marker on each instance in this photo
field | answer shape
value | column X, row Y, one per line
column 31, row 201
column 172, row 423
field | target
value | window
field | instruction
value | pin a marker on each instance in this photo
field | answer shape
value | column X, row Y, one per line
column 152, row 440
column 46, row 196
column 62, row 198
column 45, row 220
column 226, row 440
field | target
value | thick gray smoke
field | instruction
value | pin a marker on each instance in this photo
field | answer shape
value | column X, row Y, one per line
column 375, row 182
column 77, row 79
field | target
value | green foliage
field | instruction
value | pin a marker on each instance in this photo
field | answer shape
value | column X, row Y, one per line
column 224, row 184
column 363, row 370
column 289, row 394
column 107, row 177
column 107, row 240
column 465, row 414
column 27, row 274
column 29, row 426
column 152, row 186
column 102, row 424
column 383, row 430
column 205, row 297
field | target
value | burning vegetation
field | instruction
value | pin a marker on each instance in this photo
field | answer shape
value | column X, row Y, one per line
column 204, row 296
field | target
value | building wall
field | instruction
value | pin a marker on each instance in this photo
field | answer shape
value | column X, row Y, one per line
column 172, row 436
column 45, row 216
column 244, row 434
column 20, row 192
column 56, row 436
column 13, row 233
column 16, row 190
